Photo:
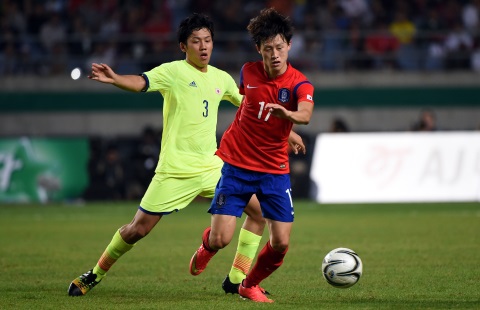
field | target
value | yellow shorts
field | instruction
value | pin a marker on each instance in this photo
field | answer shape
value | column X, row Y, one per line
column 167, row 193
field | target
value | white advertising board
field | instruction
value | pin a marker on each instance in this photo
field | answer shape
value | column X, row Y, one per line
column 396, row 167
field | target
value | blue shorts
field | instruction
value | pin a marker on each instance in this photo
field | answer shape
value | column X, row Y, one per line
column 236, row 186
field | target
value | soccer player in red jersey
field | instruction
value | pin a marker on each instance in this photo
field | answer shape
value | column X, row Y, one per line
column 254, row 151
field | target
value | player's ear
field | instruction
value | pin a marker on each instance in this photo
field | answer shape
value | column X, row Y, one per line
column 183, row 47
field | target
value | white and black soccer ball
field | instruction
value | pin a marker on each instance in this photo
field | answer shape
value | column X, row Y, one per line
column 342, row 267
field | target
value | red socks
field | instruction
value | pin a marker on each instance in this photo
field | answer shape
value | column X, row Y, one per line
column 206, row 234
column 267, row 262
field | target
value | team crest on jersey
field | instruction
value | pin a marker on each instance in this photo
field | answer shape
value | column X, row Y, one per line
column 217, row 91
column 284, row 95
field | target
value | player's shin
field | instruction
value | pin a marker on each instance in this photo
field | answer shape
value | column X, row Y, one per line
column 247, row 247
column 267, row 262
column 115, row 249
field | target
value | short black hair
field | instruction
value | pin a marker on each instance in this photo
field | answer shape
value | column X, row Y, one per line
column 268, row 24
column 194, row 22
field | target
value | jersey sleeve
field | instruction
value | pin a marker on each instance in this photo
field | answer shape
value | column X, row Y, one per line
column 241, row 87
column 231, row 91
column 304, row 91
column 159, row 78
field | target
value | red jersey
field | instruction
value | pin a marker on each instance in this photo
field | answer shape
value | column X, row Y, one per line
column 257, row 140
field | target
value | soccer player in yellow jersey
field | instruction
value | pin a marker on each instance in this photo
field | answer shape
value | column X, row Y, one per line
column 187, row 167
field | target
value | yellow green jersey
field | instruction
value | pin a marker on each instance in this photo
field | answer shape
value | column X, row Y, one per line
column 190, row 110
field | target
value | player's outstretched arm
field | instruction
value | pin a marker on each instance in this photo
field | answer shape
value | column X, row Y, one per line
column 103, row 73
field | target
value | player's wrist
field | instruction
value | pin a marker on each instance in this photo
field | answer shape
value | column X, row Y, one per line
column 290, row 116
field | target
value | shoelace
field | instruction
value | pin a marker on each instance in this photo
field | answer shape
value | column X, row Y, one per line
column 84, row 279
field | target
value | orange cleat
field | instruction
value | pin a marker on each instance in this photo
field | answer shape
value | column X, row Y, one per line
column 199, row 260
column 254, row 293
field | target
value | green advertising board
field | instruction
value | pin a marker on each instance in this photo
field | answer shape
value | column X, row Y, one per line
column 42, row 169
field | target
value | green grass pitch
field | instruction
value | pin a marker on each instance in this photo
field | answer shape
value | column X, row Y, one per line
column 415, row 256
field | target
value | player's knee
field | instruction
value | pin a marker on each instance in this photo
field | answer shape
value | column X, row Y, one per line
column 218, row 242
column 142, row 231
column 280, row 246
column 133, row 233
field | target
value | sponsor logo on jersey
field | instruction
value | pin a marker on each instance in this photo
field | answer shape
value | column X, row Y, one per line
column 250, row 87
column 284, row 95
column 193, row 84
column 309, row 97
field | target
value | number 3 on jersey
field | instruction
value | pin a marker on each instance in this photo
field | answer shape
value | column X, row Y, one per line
column 262, row 107
column 205, row 103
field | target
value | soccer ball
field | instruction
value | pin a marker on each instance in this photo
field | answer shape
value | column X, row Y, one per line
column 342, row 267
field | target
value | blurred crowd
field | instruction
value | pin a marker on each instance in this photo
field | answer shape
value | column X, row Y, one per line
column 122, row 167
column 51, row 37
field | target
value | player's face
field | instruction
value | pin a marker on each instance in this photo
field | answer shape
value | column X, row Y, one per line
column 275, row 55
column 198, row 49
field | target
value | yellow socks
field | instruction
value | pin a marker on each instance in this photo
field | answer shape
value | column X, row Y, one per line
column 247, row 247
column 115, row 249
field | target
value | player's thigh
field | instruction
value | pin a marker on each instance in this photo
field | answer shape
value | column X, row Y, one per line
column 211, row 177
column 253, row 209
column 167, row 193
column 233, row 192
column 275, row 197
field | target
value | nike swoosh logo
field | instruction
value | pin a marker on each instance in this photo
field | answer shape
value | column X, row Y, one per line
column 250, row 87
